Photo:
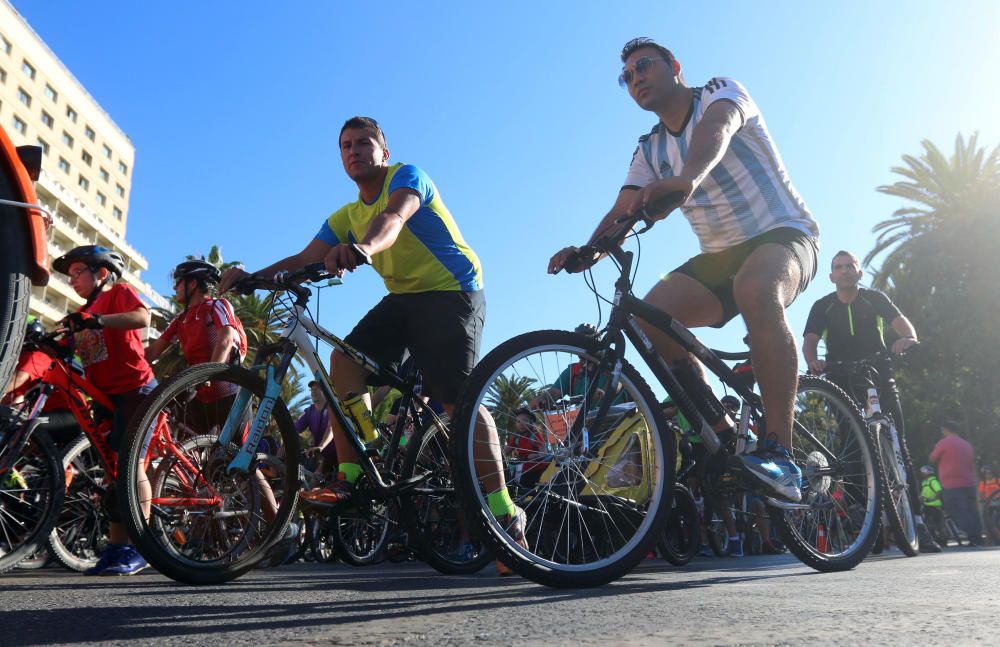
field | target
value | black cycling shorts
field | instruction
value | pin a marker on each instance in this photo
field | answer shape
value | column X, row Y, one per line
column 716, row 271
column 441, row 330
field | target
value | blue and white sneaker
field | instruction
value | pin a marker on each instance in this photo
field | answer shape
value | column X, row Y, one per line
column 774, row 467
column 108, row 557
column 735, row 547
column 127, row 562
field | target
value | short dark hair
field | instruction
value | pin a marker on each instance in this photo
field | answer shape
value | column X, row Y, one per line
column 364, row 123
column 951, row 426
column 642, row 41
column 842, row 252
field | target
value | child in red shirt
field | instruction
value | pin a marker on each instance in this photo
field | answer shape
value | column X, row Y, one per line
column 106, row 335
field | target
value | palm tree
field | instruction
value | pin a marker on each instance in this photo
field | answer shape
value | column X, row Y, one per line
column 505, row 396
column 958, row 191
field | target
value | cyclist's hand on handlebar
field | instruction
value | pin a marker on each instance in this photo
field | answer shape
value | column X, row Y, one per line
column 652, row 192
column 903, row 344
column 345, row 257
column 558, row 259
column 573, row 259
column 230, row 278
column 817, row 366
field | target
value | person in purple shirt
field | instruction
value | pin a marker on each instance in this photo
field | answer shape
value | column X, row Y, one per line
column 316, row 418
column 957, row 472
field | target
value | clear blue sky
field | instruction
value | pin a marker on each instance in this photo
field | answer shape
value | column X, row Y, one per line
column 513, row 109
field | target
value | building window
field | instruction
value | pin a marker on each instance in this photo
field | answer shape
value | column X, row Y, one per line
column 89, row 132
column 107, row 151
column 45, row 146
column 20, row 126
column 68, row 139
column 117, row 213
column 123, row 168
column 47, row 119
column 84, row 183
column 63, row 165
column 51, row 93
column 28, row 70
column 5, row 44
column 71, row 114
column 120, row 190
column 24, row 97
column 104, row 175
column 86, row 157
column 101, row 199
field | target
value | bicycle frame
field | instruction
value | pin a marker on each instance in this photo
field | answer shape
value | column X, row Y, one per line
column 296, row 337
column 623, row 325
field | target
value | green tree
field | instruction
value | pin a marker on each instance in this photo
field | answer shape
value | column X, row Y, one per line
column 939, row 264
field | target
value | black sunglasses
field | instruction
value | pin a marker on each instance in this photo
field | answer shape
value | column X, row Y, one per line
column 642, row 66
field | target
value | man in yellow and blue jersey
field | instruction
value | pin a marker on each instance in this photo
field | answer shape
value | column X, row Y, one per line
column 435, row 308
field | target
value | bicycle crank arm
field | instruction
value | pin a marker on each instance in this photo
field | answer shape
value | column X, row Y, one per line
column 786, row 505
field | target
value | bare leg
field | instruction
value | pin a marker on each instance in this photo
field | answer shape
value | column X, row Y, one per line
column 763, row 288
column 348, row 377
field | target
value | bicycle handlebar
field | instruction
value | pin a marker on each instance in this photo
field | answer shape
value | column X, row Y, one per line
column 587, row 255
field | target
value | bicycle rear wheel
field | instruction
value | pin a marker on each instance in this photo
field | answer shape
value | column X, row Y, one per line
column 80, row 534
column 31, row 493
column 360, row 535
column 896, row 497
column 681, row 539
column 598, row 506
column 206, row 525
column 840, row 480
column 432, row 513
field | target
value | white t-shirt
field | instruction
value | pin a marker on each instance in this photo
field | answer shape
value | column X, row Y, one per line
column 746, row 194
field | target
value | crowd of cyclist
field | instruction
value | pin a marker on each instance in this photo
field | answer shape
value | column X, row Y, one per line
column 759, row 251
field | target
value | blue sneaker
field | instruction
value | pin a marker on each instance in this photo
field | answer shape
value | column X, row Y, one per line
column 705, row 551
column 107, row 558
column 735, row 547
column 127, row 562
column 774, row 467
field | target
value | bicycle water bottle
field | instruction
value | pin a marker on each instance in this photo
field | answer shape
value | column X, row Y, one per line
column 361, row 415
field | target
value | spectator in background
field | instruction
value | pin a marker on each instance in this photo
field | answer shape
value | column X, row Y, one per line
column 957, row 472
column 316, row 419
column 989, row 483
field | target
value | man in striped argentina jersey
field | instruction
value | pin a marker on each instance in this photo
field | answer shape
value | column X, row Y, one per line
column 758, row 240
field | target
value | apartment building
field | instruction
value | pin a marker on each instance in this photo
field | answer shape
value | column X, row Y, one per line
column 87, row 161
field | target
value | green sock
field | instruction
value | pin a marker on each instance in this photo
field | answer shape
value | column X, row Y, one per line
column 351, row 471
column 501, row 505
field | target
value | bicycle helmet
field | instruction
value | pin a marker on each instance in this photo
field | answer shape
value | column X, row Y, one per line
column 199, row 270
column 34, row 331
column 731, row 402
column 94, row 256
column 927, row 470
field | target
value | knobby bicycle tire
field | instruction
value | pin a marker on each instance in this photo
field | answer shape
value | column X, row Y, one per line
column 838, row 530
column 581, row 530
column 896, row 504
column 681, row 536
column 81, row 529
column 433, row 516
column 167, row 550
column 31, row 494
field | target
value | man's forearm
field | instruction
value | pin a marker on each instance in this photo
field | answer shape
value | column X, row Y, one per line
column 382, row 232
column 138, row 318
column 709, row 141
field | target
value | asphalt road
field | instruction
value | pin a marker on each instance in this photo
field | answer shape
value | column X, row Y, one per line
column 950, row 598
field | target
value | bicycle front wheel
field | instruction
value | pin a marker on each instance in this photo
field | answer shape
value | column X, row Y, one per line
column 681, row 539
column 840, row 480
column 896, row 496
column 31, row 493
column 600, row 491
column 191, row 518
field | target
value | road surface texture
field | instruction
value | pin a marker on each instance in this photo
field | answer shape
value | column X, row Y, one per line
column 950, row 598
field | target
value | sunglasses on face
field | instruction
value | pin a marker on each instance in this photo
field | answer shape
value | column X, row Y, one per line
column 642, row 66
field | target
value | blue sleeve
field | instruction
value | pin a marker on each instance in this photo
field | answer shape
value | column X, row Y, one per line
column 410, row 177
column 326, row 235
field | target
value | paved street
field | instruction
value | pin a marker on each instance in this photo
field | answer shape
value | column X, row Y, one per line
column 949, row 598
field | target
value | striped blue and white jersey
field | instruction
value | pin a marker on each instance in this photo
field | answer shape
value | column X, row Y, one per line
column 747, row 193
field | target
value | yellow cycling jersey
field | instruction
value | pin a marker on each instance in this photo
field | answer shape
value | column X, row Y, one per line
column 429, row 254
